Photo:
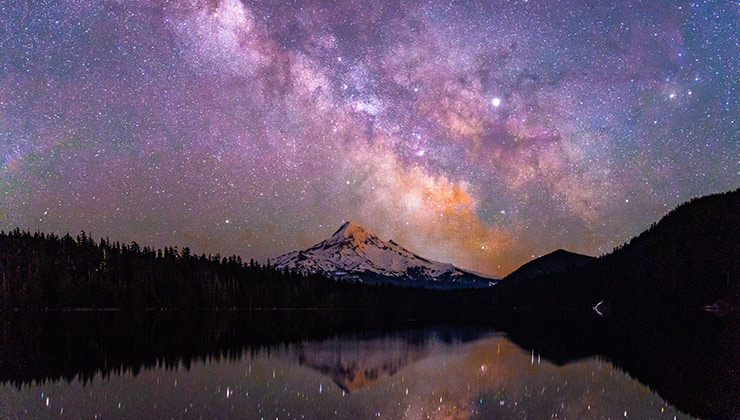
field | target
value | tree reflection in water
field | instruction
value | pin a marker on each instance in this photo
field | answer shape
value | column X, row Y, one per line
column 239, row 364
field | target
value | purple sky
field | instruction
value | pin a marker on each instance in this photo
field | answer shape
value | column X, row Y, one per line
column 477, row 133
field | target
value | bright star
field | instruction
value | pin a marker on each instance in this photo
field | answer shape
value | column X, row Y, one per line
column 496, row 102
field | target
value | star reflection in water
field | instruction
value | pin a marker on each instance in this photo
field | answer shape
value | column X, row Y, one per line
column 427, row 373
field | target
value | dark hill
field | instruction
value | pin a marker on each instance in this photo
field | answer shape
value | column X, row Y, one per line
column 555, row 262
column 689, row 259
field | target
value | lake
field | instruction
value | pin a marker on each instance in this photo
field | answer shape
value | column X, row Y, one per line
column 345, row 365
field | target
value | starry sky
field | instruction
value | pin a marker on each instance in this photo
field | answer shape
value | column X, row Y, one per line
column 480, row 133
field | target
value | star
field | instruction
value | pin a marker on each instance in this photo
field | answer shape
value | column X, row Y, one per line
column 204, row 113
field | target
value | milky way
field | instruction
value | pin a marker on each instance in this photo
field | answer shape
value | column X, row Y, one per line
column 480, row 133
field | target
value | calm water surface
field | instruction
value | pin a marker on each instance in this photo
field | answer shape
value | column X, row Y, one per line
column 404, row 371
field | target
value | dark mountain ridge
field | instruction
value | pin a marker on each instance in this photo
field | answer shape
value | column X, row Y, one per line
column 557, row 261
column 689, row 259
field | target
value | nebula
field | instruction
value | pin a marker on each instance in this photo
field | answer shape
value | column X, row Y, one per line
column 478, row 133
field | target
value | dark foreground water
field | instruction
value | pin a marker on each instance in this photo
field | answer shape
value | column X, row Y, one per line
column 321, row 365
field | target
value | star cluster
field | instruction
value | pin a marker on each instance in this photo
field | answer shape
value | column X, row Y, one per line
column 481, row 133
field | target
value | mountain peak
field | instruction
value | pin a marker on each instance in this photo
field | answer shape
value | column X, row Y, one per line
column 351, row 233
column 349, row 228
column 556, row 261
column 354, row 253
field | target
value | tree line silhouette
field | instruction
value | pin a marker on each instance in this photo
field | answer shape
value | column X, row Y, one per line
column 40, row 271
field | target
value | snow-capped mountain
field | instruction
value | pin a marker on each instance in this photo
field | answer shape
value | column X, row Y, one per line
column 352, row 253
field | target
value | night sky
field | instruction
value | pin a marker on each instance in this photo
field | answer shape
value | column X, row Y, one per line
column 478, row 133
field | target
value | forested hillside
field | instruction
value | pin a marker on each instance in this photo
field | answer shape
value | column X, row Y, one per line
column 689, row 259
column 39, row 271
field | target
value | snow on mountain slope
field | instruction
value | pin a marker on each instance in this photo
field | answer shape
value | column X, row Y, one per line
column 354, row 253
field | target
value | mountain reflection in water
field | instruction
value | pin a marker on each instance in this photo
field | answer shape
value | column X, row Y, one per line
column 323, row 365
